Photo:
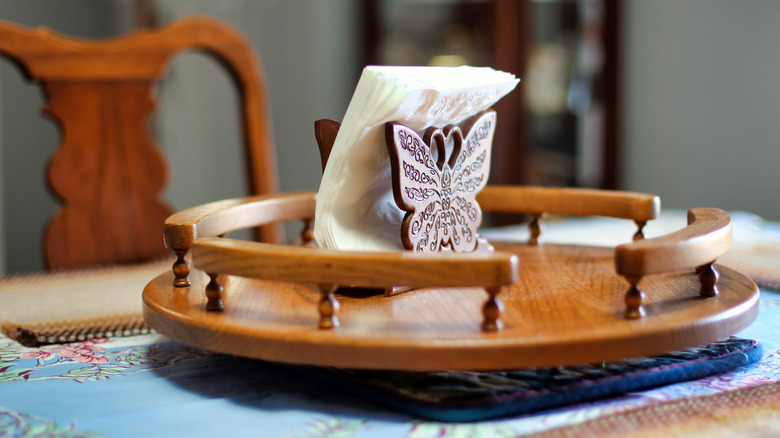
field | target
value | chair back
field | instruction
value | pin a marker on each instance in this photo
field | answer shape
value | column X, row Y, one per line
column 107, row 171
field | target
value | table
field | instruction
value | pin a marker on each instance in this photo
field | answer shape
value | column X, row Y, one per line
column 148, row 385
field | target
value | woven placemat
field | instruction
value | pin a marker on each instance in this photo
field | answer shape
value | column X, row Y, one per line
column 76, row 305
column 759, row 261
column 748, row 412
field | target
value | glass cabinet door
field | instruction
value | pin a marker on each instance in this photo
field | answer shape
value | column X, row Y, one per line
column 559, row 126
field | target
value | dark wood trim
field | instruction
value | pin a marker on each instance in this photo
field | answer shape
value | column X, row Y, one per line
column 512, row 142
column 612, row 36
column 370, row 24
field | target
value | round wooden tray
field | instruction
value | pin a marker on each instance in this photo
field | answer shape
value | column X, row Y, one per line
column 566, row 308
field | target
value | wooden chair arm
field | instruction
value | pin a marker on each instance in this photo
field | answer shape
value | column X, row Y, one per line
column 346, row 268
column 707, row 237
column 569, row 201
column 221, row 217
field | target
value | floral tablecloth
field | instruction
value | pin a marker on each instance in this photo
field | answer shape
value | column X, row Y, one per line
column 151, row 386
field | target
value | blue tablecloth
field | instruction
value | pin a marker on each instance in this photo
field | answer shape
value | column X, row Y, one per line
column 151, row 386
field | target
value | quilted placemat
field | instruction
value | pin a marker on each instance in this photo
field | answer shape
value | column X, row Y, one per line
column 471, row 396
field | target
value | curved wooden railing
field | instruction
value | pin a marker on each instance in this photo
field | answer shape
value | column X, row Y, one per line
column 707, row 237
column 222, row 217
column 538, row 201
column 196, row 228
column 331, row 269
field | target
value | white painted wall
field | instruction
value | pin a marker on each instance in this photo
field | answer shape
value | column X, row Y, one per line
column 310, row 60
column 701, row 96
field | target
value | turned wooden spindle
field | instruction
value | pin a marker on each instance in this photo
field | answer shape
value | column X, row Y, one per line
column 491, row 311
column 214, row 292
column 181, row 269
column 307, row 234
column 634, row 299
column 535, row 229
column 328, row 307
column 640, row 234
column 708, row 278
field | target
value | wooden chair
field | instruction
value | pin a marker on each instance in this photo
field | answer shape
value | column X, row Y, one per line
column 108, row 172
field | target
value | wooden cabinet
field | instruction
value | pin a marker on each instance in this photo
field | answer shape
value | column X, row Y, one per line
column 560, row 126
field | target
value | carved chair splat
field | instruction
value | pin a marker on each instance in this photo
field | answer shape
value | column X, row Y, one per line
column 108, row 171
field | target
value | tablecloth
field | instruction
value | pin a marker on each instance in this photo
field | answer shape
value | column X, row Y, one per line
column 149, row 385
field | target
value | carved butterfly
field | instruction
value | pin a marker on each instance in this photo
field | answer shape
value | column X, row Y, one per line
column 436, row 178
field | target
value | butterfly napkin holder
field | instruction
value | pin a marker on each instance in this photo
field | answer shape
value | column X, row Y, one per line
column 436, row 178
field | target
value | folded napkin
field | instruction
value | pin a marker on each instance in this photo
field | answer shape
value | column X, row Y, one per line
column 355, row 205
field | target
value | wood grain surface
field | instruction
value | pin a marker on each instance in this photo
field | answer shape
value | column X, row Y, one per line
column 108, row 172
column 566, row 307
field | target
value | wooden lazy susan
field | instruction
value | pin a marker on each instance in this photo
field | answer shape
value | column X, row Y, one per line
column 554, row 305
column 494, row 305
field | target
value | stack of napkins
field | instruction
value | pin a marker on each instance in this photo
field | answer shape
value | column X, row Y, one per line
column 355, row 205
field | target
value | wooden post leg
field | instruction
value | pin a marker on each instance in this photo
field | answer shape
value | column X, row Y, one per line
column 214, row 292
column 491, row 311
column 634, row 299
column 535, row 229
column 708, row 278
column 640, row 234
column 307, row 234
column 328, row 307
column 181, row 269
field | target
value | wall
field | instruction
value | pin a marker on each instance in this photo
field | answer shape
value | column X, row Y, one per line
column 702, row 103
column 308, row 50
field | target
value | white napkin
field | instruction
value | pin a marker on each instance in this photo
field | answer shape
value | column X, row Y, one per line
column 355, row 205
